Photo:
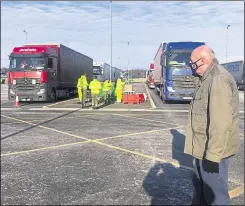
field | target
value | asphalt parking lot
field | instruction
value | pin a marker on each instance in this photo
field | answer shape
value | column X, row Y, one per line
column 101, row 157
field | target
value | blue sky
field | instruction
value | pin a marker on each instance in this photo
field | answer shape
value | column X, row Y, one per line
column 85, row 27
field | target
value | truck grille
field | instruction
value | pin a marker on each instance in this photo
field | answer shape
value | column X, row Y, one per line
column 26, row 84
column 183, row 82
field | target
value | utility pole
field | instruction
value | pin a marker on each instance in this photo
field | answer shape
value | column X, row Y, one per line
column 111, row 39
column 26, row 35
column 128, row 59
column 226, row 53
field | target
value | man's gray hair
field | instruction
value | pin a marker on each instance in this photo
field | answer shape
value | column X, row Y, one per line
column 212, row 54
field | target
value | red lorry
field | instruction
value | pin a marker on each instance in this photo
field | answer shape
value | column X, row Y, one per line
column 45, row 72
column 150, row 76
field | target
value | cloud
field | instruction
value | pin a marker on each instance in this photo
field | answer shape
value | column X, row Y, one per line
column 85, row 27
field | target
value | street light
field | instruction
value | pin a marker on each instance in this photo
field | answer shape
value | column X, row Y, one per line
column 227, row 41
column 26, row 35
column 111, row 38
column 128, row 58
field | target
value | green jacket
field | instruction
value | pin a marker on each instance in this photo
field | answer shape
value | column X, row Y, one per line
column 212, row 131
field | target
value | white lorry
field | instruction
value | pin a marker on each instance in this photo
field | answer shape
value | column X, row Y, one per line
column 236, row 68
column 102, row 71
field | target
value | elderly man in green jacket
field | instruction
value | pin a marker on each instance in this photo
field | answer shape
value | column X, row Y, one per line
column 212, row 134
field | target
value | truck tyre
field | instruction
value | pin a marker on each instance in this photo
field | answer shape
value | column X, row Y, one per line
column 53, row 95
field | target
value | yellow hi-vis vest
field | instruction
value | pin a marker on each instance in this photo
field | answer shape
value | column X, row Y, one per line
column 107, row 85
column 120, row 84
column 95, row 86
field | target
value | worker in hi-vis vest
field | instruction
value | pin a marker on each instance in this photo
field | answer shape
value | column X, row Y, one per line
column 107, row 91
column 82, row 86
column 119, row 89
column 95, row 87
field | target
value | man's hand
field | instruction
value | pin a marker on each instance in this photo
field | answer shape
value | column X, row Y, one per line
column 209, row 166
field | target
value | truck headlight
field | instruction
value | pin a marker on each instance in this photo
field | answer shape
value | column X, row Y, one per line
column 41, row 91
column 170, row 89
column 169, row 85
column 14, row 81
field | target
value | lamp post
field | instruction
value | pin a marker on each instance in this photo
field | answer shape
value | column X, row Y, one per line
column 26, row 35
column 128, row 59
column 227, row 42
column 111, row 38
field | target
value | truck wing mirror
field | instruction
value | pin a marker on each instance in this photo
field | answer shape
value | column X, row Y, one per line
column 163, row 63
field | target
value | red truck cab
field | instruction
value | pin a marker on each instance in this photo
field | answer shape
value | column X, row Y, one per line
column 32, row 71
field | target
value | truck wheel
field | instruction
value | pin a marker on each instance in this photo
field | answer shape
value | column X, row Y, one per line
column 53, row 95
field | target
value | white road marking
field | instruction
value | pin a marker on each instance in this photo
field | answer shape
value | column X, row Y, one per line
column 106, row 109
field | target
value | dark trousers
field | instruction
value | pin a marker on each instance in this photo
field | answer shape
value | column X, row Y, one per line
column 210, row 188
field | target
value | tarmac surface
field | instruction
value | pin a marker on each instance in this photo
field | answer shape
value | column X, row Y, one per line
column 101, row 157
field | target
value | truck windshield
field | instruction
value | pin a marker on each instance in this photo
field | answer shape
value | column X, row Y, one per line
column 96, row 70
column 27, row 63
column 181, row 59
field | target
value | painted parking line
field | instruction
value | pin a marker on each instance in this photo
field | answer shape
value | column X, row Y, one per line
column 85, row 141
column 107, row 110
column 138, row 133
column 148, row 120
column 42, row 148
column 93, row 115
column 80, row 137
column 234, row 193
column 59, row 109
column 101, row 143
column 76, row 136
column 50, row 105
column 153, row 106
column 16, row 122
column 10, row 109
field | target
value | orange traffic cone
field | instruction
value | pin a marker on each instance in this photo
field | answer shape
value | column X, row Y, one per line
column 17, row 102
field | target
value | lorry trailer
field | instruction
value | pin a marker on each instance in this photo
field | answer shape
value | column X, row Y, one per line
column 117, row 74
column 45, row 72
column 172, row 76
column 236, row 68
column 102, row 71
